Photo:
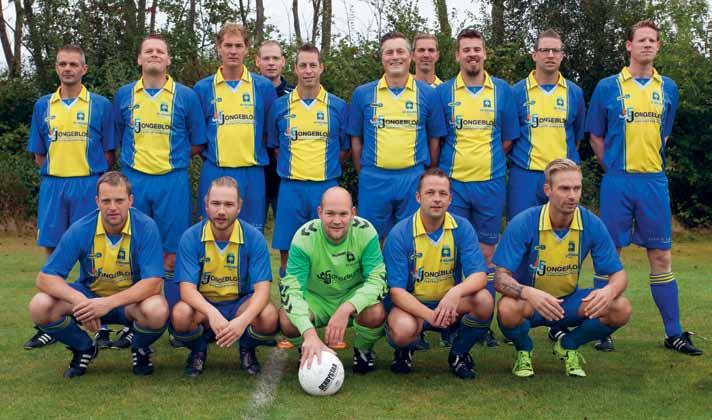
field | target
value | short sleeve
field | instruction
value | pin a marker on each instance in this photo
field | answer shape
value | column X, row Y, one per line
column 195, row 120
column 35, row 143
column 603, row 251
column 514, row 244
column 150, row 252
column 468, row 248
column 355, row 121
column 671, row 111
column 580, row 117
column 436, row 127
column 396, row 257
column 259, row 268
column 107, row 131
column 510, row 119
column 188, row 259
column 343, row 115
column 68, row 252
column 596, row 119
column 272, row 123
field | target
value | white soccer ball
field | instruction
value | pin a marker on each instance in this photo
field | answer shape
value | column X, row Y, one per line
column 322, row 379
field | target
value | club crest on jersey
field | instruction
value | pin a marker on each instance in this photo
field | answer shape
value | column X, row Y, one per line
column 121, row 255
column 445, row 252
column 487, row 103
column 320, row 116
column 164, row 107
column 572, row 250
column 230, row 259
column 246, row 98
column 350, row 257
column 80, row 116
column 656, row 98
column 409, row 105
column 560, row 104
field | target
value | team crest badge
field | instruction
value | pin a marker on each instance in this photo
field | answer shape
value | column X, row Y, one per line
column 572, row 246
column 350, row 257
column 560, row 102
column 445, row 252
column 320, row 116
column 122, row 255
column 409, row 105
column 246, row 98
column 80, row 116
column 164, row 107
column 487, row 103
column 230, row 259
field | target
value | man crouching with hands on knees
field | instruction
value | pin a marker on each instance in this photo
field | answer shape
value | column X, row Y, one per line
column 538, row 265
column 120, row 277
column 224, row 272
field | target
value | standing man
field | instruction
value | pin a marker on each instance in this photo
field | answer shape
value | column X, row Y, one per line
column 630, row 120
column 73, row 142
column 235, row 103
column 307, row 130
column 425, row 56
column 538, row 266
column 437, row 278
column 120, row 268
column 159, row 124
column 482, row 123
column 335, row 277
column 551, row 118
column 395, row 125
column 225, row 275
column 270, row 63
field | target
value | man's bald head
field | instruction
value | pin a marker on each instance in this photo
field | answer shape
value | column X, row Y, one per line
column 336, row 213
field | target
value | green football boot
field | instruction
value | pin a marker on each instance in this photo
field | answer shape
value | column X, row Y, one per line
column 572, row 360
column 523, row 365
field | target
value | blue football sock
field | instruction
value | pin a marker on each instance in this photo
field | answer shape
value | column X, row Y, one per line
column 600, row 281
column 68, row 332
column 470, row 331
column 519, row 335
column 251, row 338
column 589, row 330
column 144, row 337
column 664, row 289
column 171, row 289
column 195, row 340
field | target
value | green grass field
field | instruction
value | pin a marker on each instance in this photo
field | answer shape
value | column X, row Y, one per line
column 640, row 379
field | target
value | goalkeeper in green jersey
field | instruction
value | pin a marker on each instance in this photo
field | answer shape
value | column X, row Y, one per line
column 335, row 277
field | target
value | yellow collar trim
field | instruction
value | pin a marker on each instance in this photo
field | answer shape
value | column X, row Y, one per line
column 169, row 86
column 235, row 237
column 419, row 229
column 460, row 82
column 409, row 84
column 100, row 226
column 545, row 220
column 246, row 76
column 625, row 74
column 83, row 95
column 321, row 96
column 531, row 81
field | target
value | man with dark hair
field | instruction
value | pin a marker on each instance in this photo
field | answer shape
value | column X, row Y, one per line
column 482, row 123
column 307, row 130
column 538, row 266
column 235, row 103
column 73, row 142
column 120, row 268
column 425, row 56
column 437, row 278
column 395, row 125
column 224, row 273
column 159, row 125
column 630, row 120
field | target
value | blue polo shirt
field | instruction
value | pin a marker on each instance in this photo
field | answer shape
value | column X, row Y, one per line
column 395, row 127
column 109, row 264
column 550, row 260
column 74, row 136
column 551, row 122
column 309, row 135
column 223, row 271
column 157, row 131
column 478, row 123
column 634, row 118
column 428, row 265
column 236, row 118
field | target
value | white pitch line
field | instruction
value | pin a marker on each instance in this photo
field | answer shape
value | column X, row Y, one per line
column 266, row 390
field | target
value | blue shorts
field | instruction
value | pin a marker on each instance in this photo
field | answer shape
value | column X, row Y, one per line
column 229, row 308
column 298, row 203
column 165, row 198
column 570, row 305
column 525, row 189
column 62, row 201
column 250, row 179
column 386, row 196
column 636, row 207
column 482, row 203
column 115, row 316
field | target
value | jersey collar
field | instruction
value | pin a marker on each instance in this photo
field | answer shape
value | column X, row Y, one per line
column 321, row 96
column 419, row 228
column 409, row 84
column 545, row 220
column 100, row 231
column 460, row 82
column 169, row 86
column 246, row 76
column 83, row 95
column 625, row 75
column 532, row 83
column 235, row 237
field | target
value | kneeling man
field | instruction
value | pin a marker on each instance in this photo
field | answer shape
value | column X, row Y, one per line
column 335, row 276
column 538, row 265
column 120, row 278
column 437, row 277
column 224, row 274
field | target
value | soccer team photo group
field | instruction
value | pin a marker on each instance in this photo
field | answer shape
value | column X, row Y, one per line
column 465, row 226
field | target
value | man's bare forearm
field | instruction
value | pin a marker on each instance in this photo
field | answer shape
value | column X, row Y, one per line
column 505, row 284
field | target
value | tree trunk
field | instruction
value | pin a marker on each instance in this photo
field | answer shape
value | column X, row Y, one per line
column 443, row 20
column 152, row 24
column 497, row 22
column 315, row 20
column 259, row 22
column 141, row 17
column 19, row 24
column 244, row 11
column 6, row 48
column 326, row 27
column 35, row 40
column 297, row 27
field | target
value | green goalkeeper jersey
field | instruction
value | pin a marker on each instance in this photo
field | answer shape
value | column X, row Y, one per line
column 322, row 272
